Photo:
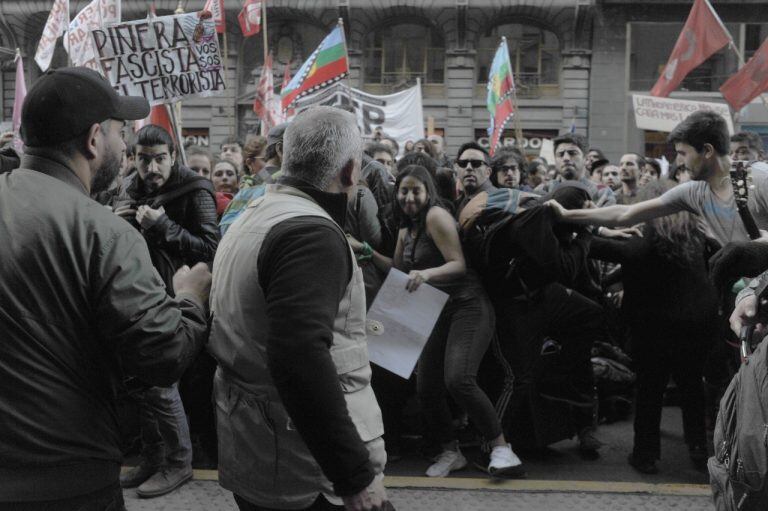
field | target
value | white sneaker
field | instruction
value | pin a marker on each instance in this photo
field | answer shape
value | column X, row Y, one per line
column 505, row 462
column 447, row 462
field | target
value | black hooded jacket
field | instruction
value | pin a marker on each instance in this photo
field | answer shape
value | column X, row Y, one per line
column 187, row 233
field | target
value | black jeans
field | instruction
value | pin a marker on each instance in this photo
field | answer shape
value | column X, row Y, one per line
column 679, row 351
column 321, row 504
column 106, row 499
column 449, row 364
column 563, row 315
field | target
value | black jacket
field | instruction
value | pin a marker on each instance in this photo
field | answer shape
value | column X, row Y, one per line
column 80, row 307
column 188, row 232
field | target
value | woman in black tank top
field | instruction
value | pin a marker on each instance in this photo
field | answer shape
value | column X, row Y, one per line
column 429, row 251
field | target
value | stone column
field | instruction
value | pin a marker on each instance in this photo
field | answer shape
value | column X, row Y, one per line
column 575, row 92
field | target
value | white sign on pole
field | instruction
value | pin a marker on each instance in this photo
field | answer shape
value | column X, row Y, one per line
column 399, row 115
column 164, row 58
column 399, row 323
column 77, row 41
column 663, row 114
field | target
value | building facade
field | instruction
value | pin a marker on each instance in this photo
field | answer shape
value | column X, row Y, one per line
column 576, row 62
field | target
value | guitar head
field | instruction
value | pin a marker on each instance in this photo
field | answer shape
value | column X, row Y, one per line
column 741, row 180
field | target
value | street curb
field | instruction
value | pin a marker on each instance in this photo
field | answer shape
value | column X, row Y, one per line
column 537, row 486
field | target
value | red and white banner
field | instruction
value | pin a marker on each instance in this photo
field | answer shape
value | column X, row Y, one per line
column 749, row 82
column 78, row 42
column 265, row 95
column 216, row 7
column 703, row 35
column 58, row 21
column 250, row 17
column 18, row 101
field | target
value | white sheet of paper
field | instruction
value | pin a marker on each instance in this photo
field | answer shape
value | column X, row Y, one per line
column 399, row 323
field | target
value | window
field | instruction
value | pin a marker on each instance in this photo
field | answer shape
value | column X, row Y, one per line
column 754, row 36
column 651, row 45
column 398, row 54
column 533, row 52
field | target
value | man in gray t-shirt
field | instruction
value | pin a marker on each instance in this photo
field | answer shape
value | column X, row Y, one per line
column 720, row 216
column 702, row 144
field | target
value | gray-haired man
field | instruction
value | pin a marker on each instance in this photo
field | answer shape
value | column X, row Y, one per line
column 298, row 423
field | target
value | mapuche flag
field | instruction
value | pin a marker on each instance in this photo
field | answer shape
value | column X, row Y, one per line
column 703, row 35
column 749, row 82
column 327, row 65
column 501, row 86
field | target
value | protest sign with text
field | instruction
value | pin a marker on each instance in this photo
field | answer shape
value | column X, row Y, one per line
column 95, row 15
column 163, row 58
column 663, row 114
column 399, row 115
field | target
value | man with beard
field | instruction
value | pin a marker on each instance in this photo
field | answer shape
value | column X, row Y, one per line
column 80, row 306
column 474, row 172
column 570, row 164
column 702, row 146
column 630, row 167
column 175, row 210
column 611, row 177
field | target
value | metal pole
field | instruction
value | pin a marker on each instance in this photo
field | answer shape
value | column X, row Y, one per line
column 177, row 129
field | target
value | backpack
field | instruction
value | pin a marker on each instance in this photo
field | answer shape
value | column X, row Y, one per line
column 739, row 468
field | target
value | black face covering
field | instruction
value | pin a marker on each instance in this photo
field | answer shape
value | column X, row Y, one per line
column 571, row 197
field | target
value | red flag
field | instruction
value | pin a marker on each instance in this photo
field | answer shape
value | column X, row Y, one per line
column 158, row 116
column 264, row 96
column 18, row 101
column 250, row 17
column 216, row 7
column 702, row 35
column 749, row 82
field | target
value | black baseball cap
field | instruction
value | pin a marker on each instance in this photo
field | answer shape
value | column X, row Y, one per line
column 63, row 103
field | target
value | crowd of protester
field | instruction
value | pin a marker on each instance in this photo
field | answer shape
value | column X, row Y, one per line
column 575, row 288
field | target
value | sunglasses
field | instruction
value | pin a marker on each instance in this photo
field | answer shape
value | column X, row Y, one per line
column 476, row 164
column 507, row 168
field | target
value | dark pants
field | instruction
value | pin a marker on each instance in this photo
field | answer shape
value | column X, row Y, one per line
column 660, row 352
column 572, row 320
column 321, row 504
column 449, row 364
column 106, row 499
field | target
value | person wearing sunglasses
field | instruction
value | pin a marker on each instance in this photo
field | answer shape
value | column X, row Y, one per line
column 474, row 172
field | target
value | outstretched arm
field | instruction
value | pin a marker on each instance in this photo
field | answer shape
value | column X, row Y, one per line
column 614, row 216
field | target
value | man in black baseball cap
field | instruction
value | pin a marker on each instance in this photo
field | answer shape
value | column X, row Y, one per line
column 77, row 112
column 81, row 307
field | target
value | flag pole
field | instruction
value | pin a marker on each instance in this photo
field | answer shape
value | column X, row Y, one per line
column 735, row 49
column 171, row 108
column 346, row 54
column 262, row 122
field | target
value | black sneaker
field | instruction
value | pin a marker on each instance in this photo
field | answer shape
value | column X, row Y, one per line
column 589, row 444
column 643, row 464
column 566, row 393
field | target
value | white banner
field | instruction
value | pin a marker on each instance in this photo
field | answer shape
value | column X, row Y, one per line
column 163, row 59
column 95, row 15
column 399, row 115
column 58, row 21
column 663, row 114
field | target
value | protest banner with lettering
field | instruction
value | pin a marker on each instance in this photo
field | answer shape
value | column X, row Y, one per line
column 663, row 114
column 57, row 23
column 399, row 115
column 164, row 58
column 96, row 15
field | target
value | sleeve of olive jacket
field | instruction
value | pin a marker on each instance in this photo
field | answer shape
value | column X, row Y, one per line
column 155, row 336
column 198, row 239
